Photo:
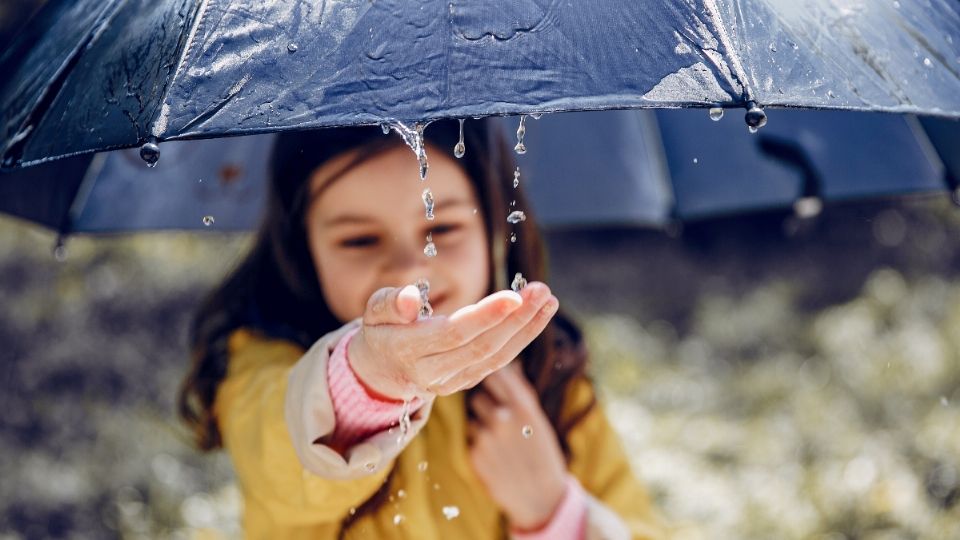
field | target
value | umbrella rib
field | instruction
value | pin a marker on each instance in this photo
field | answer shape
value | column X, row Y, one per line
column 159, row 124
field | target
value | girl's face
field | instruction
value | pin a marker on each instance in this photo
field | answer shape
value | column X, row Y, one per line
column 366, row 230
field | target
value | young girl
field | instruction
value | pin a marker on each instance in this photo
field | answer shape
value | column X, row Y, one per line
column 308, row 356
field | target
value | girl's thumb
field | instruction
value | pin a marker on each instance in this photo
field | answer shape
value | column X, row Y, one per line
column 392, row 305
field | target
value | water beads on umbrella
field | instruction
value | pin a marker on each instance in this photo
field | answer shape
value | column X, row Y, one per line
column 150, row 153
column 716, row 113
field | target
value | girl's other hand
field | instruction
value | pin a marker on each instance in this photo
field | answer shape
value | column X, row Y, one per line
column 514, row 450
column 398, row 356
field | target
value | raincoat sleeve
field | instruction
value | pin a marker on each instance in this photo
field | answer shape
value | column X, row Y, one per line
column 276, row 415
column 618, row 506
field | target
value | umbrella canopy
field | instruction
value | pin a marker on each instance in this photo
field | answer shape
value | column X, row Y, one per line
column 89, row 75
column 582, row 169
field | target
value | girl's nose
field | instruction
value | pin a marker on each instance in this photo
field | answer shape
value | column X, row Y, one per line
column 407, row 263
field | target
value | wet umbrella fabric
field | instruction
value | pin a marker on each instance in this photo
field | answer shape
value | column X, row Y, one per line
column 90, row 75
column 582, row 169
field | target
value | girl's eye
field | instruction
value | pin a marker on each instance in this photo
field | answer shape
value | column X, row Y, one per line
column 359, row 242
column 443, row 229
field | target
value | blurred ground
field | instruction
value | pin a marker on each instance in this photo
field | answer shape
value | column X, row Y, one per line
column 770, row 378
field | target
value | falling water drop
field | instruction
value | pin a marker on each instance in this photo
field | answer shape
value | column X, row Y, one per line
column 404, row 422
column 519, row 282
column 927, row 62
column 426, row 310
column 60, row 250
column 460, row 149
column 427, row 197
column 385, row 128
column 422, row 466
column 755, row 117
column 696, row 160
column 451, row 512
column 414, row 139
column 401, row 494
column 150, row 153
column 753, row 129
column 430, row 250
column 513, row 238
column 516, row 217
column 526, row 431
column 292, row 47
column 521, row 131
column 398, row 519
column 516, row 178
column 207, row 220
column 353, row 511
column 716, row 113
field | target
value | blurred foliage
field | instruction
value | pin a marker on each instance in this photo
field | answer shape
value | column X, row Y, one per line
column 770, row 378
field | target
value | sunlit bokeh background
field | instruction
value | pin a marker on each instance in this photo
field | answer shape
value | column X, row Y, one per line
column 770, row 377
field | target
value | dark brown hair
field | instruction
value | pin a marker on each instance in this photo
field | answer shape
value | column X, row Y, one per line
column 275, row 291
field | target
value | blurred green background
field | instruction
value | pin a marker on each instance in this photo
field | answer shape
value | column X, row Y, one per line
column 770, row 377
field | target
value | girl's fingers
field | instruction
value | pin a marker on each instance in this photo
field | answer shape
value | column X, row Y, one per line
column 504, row 354
column 391, row 305
column 484, row 407
column 488, row 343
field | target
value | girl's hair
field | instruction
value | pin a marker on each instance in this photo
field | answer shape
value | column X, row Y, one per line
column 275, row 290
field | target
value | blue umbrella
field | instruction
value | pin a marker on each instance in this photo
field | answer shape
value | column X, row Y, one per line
column 582, row 169
column 90, row 75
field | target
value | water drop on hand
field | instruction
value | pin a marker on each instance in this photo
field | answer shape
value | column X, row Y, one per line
column 519, row 282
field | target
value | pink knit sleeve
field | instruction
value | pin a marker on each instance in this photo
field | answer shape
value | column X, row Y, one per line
column 358, row 414
column 569, row 521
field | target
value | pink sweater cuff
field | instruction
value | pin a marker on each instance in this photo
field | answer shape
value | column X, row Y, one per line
column 358, row 414
column 569, row 520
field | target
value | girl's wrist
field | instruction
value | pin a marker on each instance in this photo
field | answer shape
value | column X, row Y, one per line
column 368, row 375
column 539, row 516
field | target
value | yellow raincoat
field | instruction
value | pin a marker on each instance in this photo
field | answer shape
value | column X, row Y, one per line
column 274, row 403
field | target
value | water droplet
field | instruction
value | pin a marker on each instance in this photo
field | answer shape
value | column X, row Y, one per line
column 516, row 217
column 773, row 47
column 755, row 117
column 150, row 153
column 460, row 149
column 422, row 466
column 830, row 94
column 521, row 131
column 944, row 401
column 513, row 238
column 427, row 197
column 292, row 47
column 752, row 129
column 430, row 250
column 404, row 421
column 426, row 310
column 59, row 250
column 519, row 282
column 513, row 203
column 451, row 512
column 353, row 511
column 696, row 160
column 208, row 220
column 370, row 466
column 414, row 139
column 516, row 178
column 927, row 62
column 716, row 113
column 401, row 494
column 526, row 431
column 385, row 128
column 896, row 4
column 807, row 207
column 474, row 211
column 537, row 115
column 398, row 519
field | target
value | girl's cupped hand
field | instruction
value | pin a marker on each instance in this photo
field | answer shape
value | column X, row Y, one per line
column 400, row 357
column 514, row 450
